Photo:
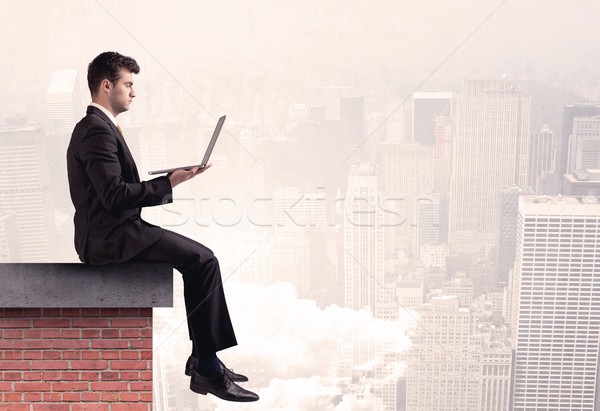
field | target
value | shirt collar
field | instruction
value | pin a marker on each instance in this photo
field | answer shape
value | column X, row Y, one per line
column 105, row 111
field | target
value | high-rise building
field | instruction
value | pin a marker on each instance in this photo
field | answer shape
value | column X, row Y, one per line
column 541, row 157
column 444, row 367
column 490, row 152
column 427, row 105
column 569, row 113
column 507, row 228
column 584, row 144
column 363, row 241
column 554, row 308
column 26, row 191
column 395, row 126
column 63, row 101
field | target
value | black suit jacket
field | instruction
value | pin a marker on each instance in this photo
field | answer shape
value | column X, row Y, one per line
column 107, row 193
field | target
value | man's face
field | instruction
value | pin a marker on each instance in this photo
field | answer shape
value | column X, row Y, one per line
column 122, row 93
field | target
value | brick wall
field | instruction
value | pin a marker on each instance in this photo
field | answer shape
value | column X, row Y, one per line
column 72, row 359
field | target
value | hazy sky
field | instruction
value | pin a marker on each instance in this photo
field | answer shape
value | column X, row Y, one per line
column 300, row 43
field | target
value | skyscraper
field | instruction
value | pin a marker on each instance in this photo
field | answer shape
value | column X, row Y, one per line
column 584, row 144
column 490, row 152
column 541, row 157
column 426, row 107
column 554, row 306
column 569, row 113
column 363, row 241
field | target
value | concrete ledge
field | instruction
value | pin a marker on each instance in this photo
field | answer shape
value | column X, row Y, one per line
column 82, row 285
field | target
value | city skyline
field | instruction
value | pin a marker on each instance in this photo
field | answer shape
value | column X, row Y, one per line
column 322, row 200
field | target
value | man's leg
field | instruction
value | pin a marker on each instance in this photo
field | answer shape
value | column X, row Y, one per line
column 208, row 317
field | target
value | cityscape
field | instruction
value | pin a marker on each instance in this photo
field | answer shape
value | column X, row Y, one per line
column 429, row 243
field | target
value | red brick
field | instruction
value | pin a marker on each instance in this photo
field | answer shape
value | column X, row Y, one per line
column 110, row 333
column 90, row 355
column 32, row 386
column 90, row 333
column 90, row 396
column 13, row 334
column 51, row 323
column 32, row 334
column 53, row 397
column 109, row 376
column 108, row 344
column 90, row 376
column 32, row 344
column 71, row 333
column 13, row 396
column 111, row 355
column 146, row 396
column 130, row 333
column 141, row 386
column 131, row 407
column 129, row 396
column 129, row 322
column 32, row 355
column 141, row 344
column 146, row 312
column 90, row 312
column 110, row 396
column 90, row 407
column 32, row 376
column 15, row 365
column 6, row 386
column 71, row 312
column 70, row 344
column 71, row 396
column 51, row 407
column 130, row 355
column 109, row 312
column 129, row 312
column 52, row 376
column 146, row 354
column 129, row 365
column 70, row 386
column 6, row 344
column 15, row 323
column 71, row 355
column 146, row 375
column 32, row 312
column 70, row 376
column 90, row 322
column 110, row 386
column 13, row 312
column 14, row 407
column 32, row 397
column 146, row 333
column 13, row 376
column 50, row 365
column 89, row 365
column 52, row 355
column 13, row 355
column 129, row 376
column 50, row 333
column 51, row 312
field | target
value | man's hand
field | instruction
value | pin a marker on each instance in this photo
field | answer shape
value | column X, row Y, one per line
column 179, row 176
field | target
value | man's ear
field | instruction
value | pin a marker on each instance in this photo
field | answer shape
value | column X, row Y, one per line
column 106, row 86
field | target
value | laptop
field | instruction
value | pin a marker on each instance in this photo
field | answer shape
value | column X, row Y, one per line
column 209, row 150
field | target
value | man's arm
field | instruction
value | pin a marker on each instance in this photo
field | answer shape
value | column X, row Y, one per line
column 98, row 152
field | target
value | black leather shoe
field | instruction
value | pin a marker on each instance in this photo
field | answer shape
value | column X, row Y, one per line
column 220, row 386
column 192, row 362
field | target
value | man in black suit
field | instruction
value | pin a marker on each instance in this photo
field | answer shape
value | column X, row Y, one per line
column 108, row 196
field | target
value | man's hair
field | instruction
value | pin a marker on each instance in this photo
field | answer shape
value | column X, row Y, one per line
column 108, row 65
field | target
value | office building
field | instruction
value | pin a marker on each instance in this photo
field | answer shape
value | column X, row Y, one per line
column 542, row 156
column 490, row 152
column 426, row 106
column 569, row 113
column 554, row 308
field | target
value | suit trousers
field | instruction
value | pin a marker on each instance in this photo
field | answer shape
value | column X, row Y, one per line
column 209, row 324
